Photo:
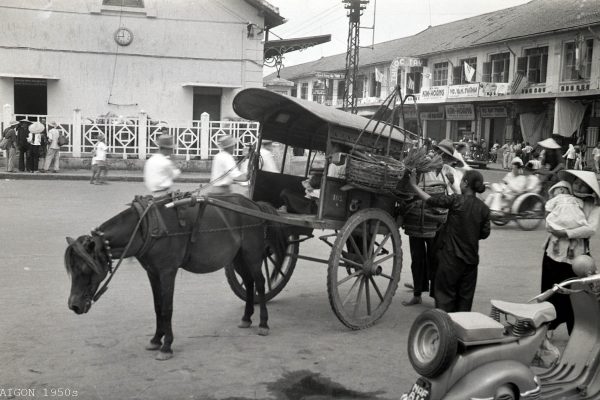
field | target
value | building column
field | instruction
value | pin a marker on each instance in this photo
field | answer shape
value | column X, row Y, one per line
column 142, row 135
column 424, row 128
column 309, row 95
column 204, row 136
column 76, row 133
column 448, row 129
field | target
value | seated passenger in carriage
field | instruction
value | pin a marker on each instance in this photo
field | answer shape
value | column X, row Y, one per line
column 515, row 183
column 294, row 202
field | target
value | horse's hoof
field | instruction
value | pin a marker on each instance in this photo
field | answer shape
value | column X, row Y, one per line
column 163, row 356
column 153, row 346
column 263, row 331
column 245, row 324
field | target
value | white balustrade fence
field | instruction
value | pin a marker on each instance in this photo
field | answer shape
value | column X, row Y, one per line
column 135, row 138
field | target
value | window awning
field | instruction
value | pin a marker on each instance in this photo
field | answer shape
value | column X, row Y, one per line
column 214, row 85
column 28, row 76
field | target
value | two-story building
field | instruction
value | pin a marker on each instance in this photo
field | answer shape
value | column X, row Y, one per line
column 171, row 60
column 522, row 73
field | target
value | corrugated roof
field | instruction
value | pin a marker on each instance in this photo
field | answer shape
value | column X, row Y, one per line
column 537, row 17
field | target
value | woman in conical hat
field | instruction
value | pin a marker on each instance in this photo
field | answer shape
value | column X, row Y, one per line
column 557, row 262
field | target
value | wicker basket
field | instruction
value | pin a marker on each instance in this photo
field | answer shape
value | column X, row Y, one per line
column 422, row 221
column 375, row 172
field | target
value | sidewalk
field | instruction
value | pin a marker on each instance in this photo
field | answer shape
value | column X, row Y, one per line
column 113, row 175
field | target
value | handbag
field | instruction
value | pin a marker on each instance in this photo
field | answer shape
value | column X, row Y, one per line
column 62, row 140
column 3, row 143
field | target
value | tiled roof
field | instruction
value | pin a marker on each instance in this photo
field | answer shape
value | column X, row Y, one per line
column 537, row 17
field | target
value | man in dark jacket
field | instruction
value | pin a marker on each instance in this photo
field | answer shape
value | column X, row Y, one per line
column 22, row 144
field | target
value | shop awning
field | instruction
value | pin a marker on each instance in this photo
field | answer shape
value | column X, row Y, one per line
column 279, row 47
column 28, row 76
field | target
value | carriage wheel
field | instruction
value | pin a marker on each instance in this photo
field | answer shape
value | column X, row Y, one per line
column 361, row 287
column 530, row 212
column 276, row 278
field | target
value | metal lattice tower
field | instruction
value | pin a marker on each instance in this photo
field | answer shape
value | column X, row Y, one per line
column 355, row 8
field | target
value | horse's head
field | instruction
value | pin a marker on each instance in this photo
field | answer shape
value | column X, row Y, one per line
column 88, row 261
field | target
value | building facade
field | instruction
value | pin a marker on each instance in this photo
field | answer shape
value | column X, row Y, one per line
column 168, row 60
column 524, row 73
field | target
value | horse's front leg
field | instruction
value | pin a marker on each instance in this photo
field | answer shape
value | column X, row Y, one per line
column 156, row 341
column 167, row 289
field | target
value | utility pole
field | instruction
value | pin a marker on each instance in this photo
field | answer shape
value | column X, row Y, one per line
column 355, row 9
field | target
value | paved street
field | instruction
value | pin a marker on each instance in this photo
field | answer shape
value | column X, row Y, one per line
column 101, row 355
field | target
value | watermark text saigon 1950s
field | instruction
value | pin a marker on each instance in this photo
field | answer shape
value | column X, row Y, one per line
column 30, row 393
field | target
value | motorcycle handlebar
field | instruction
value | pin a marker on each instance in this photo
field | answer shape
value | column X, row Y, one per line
column 562, row 286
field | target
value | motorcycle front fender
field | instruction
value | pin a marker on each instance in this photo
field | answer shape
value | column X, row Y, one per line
column 483, row 382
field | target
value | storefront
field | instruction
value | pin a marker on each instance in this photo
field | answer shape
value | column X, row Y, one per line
column 461, row 121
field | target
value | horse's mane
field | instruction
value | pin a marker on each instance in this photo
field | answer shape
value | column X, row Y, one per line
column 93, row 260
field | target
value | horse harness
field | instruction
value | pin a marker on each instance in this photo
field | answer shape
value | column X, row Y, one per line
column 153, row 227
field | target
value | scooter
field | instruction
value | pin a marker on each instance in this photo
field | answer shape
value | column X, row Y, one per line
column 468, row 355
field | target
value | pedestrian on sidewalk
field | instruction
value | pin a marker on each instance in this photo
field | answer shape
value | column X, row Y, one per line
column 99, row 168
column 35, row 143
column 159, row 170
column 596, row 155
column 10, row 134
column 23, row 144
column 43, row 147
column 53, row 155
column 457, row 244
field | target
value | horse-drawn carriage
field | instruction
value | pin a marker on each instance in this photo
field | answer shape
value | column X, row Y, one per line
column 359, row 212
column 366, row 256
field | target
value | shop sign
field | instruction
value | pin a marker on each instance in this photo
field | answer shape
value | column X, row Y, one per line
column 318, row 92
column 456, row 112
column 432, row 115
column 409, row 113
column 457, row 91
column 407, row 62
column 494, row 89
column 433, row 94
column 492, row 111
column 330, row 75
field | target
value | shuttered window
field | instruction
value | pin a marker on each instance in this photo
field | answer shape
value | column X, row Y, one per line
column 440, row 74
column 577, row 60
column 456, row 75
column 537, row 63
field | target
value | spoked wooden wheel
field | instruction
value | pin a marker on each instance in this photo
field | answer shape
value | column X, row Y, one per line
column 361, row 287
column 530, row 211
column 275, row 278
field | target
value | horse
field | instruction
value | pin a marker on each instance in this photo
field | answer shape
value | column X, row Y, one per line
column 197, row 237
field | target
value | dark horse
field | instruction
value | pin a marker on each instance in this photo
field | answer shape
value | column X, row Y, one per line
column 197, row 237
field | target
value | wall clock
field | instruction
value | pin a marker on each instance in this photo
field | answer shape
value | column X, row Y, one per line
column 123, row 36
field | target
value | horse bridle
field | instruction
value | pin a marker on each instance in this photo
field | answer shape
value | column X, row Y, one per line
column 111, row 271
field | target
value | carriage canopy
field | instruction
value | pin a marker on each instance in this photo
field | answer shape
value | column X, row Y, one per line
column 305, row 124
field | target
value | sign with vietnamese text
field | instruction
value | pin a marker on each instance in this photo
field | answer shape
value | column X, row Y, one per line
column 460, row 112
column 407, row 62
column 330, row 75
column 432, row 115
column 493, row 89
column 433, row 94
column 492, row 111
column 458, row 91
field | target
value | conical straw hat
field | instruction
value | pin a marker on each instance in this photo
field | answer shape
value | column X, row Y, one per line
column 588, row 177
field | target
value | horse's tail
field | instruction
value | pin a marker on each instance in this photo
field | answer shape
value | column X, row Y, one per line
column 276, row 234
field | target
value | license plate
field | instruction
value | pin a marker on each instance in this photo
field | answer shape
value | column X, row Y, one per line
column 421, row 390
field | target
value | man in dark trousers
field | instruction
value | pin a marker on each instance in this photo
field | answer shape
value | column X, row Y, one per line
column 22, row 144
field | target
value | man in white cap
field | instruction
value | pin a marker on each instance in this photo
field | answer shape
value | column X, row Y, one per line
column 10, row 134
column 53, row 155
column 224, row 170
column 159, row 170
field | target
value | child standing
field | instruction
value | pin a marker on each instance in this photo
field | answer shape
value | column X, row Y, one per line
column 99, row 169
column 565, row 212
column 457, row 244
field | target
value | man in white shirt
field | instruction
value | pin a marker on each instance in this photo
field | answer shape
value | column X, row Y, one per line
column 53, row 148
column 159, row 170
column 224, row 170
